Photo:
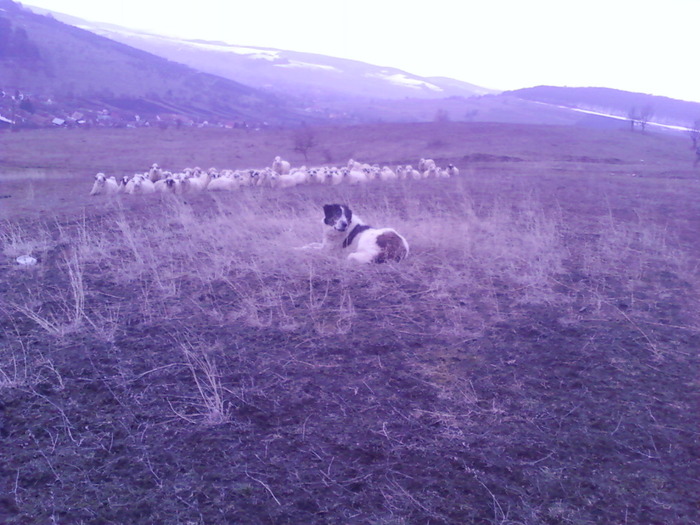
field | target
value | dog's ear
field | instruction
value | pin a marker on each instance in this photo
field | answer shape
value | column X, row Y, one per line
column 330, row 209
column 348, row 213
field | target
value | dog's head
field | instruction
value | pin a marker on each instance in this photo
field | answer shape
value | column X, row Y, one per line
column 337, row 216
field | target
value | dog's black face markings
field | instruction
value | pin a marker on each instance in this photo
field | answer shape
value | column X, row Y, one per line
column 333, row 213
column 338, row 216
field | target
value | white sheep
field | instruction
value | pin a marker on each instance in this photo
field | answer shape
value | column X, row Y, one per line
column 161, row 185
column 227, row 182
column 425, row 164
column 104, row 185
column 244, row 177
column 285, row 181
column 431, row 172
column 146, row 186
column 129, row 186
column 294, row 178
column 281, row 167
column 122, row 183
column 196, row 179
column 155, row 173
column 199, row 182
column 371, row 172
column 301, row 175
column 264, row 176
column 316, row 176
column 335, row 176
column 140, row 183
column 255, row 177
column 270, row 180
column 413, row 173
column 387, row 174
column 355, row 176
column 168, row 185
column 175, row 185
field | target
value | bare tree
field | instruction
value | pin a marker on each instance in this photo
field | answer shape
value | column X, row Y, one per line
column 646, row 114
column 640, row 117
column 694, row 133
column 304, row 140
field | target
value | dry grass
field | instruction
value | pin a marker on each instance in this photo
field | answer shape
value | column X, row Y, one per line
column 18, row 239
column 464, row 260
column 210, row 406
column 530, row 362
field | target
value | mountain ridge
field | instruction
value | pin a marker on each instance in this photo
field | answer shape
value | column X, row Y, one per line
column 306, row 73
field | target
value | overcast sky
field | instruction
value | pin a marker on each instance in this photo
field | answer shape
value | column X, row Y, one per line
column 649, row 46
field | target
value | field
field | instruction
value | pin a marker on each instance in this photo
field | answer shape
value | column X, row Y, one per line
column 176, row 360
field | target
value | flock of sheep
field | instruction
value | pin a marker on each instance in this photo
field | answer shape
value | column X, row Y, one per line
column 279, row 175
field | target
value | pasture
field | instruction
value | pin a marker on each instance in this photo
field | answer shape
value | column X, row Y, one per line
column 174, row 359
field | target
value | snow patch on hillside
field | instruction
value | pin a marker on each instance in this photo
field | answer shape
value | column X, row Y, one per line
column 306, row 65
column 262, row 54
column 403, row 80
column 251, row 52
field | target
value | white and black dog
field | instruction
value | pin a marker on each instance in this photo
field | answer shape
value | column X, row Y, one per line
column 345, row 231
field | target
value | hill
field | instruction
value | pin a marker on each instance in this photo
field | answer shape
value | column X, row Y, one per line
column 355, row 92
column 54, row 63
column 335, row 89
column 615, row 102
column 305, row 75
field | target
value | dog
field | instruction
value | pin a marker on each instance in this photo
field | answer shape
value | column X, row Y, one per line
column 344, row 231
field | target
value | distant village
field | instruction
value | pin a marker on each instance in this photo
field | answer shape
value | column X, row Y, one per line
column 25, row 110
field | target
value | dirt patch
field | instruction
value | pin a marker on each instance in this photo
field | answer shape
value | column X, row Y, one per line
column 593, row 160
column 487, row 157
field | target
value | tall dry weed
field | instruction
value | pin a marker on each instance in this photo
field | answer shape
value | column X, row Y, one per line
column 18, row 239
column 58, row 310
column 208, row 405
